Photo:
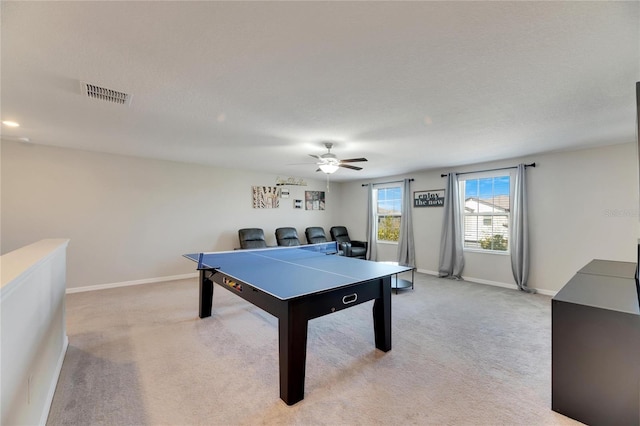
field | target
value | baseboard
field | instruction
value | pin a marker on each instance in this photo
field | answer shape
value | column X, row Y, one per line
column 493, row 283
column 54, row 382
column 489, row 282
column 428, row 272
column 550, row 293
column 129, row 283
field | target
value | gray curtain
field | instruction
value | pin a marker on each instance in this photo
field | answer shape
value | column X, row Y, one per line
column 451, row 261
column 520, row 232
column 372, row 253
column 406, row 247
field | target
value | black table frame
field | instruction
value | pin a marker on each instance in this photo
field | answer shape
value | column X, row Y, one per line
column 294, row 314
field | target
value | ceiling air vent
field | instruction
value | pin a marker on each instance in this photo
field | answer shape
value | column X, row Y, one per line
column 103, row 94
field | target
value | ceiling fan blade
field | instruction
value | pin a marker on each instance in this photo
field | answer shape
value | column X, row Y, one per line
column 315, row 156
column 318, row 170
column 346, row 166
column 353, row 160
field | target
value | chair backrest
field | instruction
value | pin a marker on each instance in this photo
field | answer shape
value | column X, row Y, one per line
column 251, row 238
column 287, row 237
column 340, row 234
column 315, row 235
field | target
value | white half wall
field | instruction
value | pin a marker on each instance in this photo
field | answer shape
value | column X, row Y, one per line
column 131, row 219
column 34, row 337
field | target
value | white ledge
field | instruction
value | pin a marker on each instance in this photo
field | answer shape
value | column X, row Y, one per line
column 25, row 260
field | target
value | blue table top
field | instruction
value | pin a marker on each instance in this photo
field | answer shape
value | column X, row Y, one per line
column 290, row 272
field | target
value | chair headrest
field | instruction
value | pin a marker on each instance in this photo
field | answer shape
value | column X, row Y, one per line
column 315, row 232
column 283, row 233
column 251, row 234
column 339, row 231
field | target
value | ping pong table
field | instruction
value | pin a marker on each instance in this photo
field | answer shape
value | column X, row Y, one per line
column 297, row 284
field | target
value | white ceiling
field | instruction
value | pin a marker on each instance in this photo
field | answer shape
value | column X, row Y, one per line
column 260, row 85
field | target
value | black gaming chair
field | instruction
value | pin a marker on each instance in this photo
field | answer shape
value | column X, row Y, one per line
column 350, row 247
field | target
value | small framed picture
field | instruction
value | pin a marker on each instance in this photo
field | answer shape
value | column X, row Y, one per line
column 314, row 200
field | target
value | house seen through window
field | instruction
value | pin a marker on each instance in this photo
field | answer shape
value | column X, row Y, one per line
column 486, row 210
column 388, row 212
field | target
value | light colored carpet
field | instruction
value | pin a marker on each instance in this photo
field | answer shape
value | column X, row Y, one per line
column 463, row 354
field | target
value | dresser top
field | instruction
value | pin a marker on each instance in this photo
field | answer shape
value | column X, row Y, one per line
column 604, row 284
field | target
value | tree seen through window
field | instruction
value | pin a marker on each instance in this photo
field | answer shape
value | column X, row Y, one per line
column 389, row 211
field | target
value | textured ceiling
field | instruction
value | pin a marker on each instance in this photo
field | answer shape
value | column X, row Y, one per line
column 260, row 85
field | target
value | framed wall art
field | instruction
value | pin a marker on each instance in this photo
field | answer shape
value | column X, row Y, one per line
column 265, row 197
column 314, row 200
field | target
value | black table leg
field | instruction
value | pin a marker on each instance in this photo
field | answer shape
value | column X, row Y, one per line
column 382, row 317
column 292, row 330
column 206, row 294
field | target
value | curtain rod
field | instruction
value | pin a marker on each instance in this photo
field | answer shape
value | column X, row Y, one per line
column 383, row 183
column 492, row 170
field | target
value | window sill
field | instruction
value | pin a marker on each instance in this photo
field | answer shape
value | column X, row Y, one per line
column 498, row 252
column 387, row 242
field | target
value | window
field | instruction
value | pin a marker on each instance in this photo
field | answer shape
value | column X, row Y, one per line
column 389, row 212
column 486, row 209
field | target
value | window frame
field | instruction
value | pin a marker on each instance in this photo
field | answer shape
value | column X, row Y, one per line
column 462, row 186
column 378, row 216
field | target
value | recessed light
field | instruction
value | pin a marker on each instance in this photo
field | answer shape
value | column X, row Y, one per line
column 11, row 123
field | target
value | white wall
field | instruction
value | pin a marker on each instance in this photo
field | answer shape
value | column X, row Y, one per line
column 583, row 205
column 132, row 219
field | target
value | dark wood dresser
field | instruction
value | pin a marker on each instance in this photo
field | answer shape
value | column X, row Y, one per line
column 595, row 345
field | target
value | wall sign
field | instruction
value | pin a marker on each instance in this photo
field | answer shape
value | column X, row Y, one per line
column 430, row 198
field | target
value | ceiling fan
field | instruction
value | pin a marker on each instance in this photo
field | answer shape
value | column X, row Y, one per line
column 329, row 163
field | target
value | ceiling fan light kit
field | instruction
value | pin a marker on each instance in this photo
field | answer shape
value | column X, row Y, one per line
column 329, row 168
column 329, row 163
